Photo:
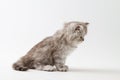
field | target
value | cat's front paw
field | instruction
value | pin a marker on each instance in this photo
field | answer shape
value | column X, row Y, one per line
column 63, row 68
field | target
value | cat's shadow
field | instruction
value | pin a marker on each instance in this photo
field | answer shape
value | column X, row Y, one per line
column 95, row 70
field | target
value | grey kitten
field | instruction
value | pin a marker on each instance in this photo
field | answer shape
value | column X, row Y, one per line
column 50, row 54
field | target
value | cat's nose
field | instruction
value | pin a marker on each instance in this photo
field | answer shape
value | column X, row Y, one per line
column 82, row 38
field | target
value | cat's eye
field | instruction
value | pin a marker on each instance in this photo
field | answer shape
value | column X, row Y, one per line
column 77, row 28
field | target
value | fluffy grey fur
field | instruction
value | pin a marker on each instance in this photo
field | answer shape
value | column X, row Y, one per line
column 50, row 54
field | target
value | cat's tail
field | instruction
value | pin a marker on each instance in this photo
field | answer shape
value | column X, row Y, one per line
column 19, row 66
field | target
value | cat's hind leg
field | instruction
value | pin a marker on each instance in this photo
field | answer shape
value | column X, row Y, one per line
column 49, row 68
column 19, row 66
column 23, row 64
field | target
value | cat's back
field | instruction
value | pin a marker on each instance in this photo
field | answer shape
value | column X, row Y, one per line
column 44, row 43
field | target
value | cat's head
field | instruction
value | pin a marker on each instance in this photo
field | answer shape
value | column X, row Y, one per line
column 76, row 31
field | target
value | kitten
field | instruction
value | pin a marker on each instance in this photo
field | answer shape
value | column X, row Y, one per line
column 50, row 54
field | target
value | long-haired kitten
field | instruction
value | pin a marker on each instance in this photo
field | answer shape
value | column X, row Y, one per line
column 50, row 54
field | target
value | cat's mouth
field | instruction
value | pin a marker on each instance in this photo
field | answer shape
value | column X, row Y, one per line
column 81, row 39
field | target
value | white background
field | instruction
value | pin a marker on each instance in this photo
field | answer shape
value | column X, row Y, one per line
column 23, row 23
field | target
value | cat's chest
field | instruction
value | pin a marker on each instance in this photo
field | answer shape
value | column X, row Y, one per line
column 66, row 49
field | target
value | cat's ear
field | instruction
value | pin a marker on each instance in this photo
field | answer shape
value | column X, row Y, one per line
column 86, row 23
